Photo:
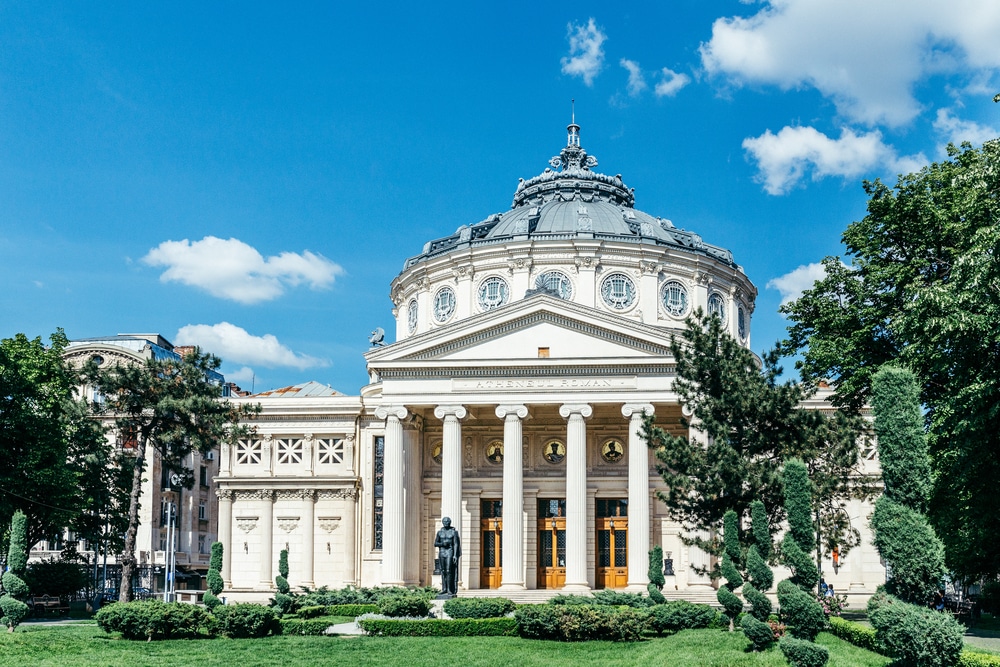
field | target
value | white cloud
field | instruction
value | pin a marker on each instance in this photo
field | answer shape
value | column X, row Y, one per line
column 235, row 345
column 245, row 374
column 956, row 130
column 865, row 55
column 636, row 82
column 586, row 55
column 784, row 158
column 670, row 83
column 793, row 284
column 231, row 269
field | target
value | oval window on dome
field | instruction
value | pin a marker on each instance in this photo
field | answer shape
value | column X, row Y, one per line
column 741, row 322
column 444, row 304
column 618, row 291
column 411, row 315
column 493, row 293
column 717, row 306
column 556, row 282
column 675, row 298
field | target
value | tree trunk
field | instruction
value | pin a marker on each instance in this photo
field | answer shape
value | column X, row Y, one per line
column 128, row 552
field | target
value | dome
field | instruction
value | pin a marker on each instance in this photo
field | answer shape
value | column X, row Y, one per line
column 569, row 200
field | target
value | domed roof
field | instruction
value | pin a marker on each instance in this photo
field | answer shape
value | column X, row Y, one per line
column 570, row 200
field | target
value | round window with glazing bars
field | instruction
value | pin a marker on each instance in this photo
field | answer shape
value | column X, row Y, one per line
column 675, row 298
column 411, row 315
column 444, row 304
column 556, row 282
column 717, row 306
column 493, row 293
column 618, row 291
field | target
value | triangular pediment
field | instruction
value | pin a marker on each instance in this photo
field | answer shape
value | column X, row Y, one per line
column 523, row 330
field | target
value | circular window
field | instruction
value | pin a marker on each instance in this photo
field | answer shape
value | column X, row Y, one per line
column 556, row 282
column 717, row 306
column 436, row 453
column 411, row 315
column 675, row 298
column 741, row 322
column 613, row 451
column 618, row 291
column 97, row 359
column 494, row 451
column 554, row 451
column 444, row 304
column 493, row 293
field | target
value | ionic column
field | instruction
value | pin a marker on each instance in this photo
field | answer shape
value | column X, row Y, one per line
column 309, row 537
column 392, row 511
column 266, row 539
column 226, row 533
column 576, row 494
column 451, row 462
column 638, row 497
column 350, row 539
column 513, row 496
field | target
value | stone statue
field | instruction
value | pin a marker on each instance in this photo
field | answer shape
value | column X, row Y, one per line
column 449, row 546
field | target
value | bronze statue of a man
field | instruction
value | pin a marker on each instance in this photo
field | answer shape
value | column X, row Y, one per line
column 449, row 546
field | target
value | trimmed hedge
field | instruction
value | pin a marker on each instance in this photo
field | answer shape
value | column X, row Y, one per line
column 580, row 622
column 855, row 633
column 758, row 632
column 435, row 627
column 153, row 619
column 678, row 615
column 971, row 659
column 354, row 610
column 307, row 626
column 478, row 607
column 244, row 621
column 802, row 653
column 405, row 605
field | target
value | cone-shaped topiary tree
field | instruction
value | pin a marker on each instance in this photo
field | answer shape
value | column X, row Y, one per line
column 731, row 557
column 283, row 602
column 215, row 582
column 760, row 577
column 12, row 607
column 656, row 580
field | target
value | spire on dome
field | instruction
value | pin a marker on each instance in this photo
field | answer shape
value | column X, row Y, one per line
column 573, row 140
column 573, row 157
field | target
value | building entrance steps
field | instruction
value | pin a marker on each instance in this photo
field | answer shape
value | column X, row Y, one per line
column 539, row 596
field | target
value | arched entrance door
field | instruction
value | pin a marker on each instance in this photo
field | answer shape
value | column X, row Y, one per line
column 612, row 543
column 491, row 530
column 551, row 543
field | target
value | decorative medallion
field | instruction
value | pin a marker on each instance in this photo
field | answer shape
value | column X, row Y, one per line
column 674, row 297
column 411, row 315
column 554, row 451
column 444, row 304
column 613, row 450
column 493, row 293
column 618, row 291
column 494, row 452
column 555, row 282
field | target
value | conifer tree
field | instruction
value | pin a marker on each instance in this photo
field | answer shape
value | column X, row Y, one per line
column 760, row 577
column 656, row 580
column 803, row 613
column 215, row 582
column 731, row 558
column 12, row 607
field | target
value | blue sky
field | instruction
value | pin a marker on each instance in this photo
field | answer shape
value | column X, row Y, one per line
column 250, row 177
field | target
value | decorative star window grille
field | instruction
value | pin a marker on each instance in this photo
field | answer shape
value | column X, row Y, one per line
column 249, row 452
column 329, row 451
column 289, row 450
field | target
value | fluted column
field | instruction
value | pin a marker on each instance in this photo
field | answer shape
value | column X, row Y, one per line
column 576, row 494
column 309, row 538
column 392, row 512
column 226, row 534
column 350, row 539
column 451, row 462
column 638, row 497
column 266, row 539
column 513, row 496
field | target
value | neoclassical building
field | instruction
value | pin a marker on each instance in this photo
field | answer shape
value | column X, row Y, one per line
column 528, row 346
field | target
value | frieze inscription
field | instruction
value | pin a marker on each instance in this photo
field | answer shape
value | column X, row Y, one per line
column 534, row 384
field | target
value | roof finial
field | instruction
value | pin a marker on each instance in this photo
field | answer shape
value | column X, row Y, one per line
column 573, row 140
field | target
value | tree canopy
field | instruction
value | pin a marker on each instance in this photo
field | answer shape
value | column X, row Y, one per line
column 750, row 423
column 923, row 289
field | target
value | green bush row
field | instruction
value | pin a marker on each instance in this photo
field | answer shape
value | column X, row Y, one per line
column 478, row 607
column 855, row 633
column 972, row 659
column 326, row 597
column 307, row 626
column 154, row 619
column 466, row 627
column 354, row 610
column 580, row 622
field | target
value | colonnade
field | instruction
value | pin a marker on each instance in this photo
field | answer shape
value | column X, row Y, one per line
column 513, row 539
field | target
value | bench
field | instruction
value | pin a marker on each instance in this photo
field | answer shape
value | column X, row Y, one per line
column 43, row 604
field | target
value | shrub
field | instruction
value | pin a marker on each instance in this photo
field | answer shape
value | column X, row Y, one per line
column 214, row 581
column 569, row 600
column 14, row 586
column 617, row 599
column 578, row 622
column 760, row 604
column 478, row 607
column 760, row 574
column 353, row 610
column 855, row 633
column 244, row 621
column 915, row 635
column 312, row 612
column 55, row 577
column 538, row 621
column 801, row 653
column 306, row 626
column 465, row 627
column 351, row 595
column 153, row 619
column 215, row 560
column 656, row 567
column 13, row 611
column 800, row 611
column 405, row 604
column 678, row 615
column 760, row 634
column 906, row 540
column 282, row 604
column 971, row 659
column 654, row 594
column 281, row 581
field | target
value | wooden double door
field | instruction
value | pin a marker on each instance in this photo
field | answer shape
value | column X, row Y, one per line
column 491, row 532
column 612, row 543
column 551, row 543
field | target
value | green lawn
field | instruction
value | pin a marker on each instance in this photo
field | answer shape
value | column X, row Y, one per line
column 87, row 646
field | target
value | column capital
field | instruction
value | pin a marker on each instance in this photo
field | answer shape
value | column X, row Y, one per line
column 458, row 411
column 583, row 409
column 503, row 411
column 397, row 411
column 630, row 409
